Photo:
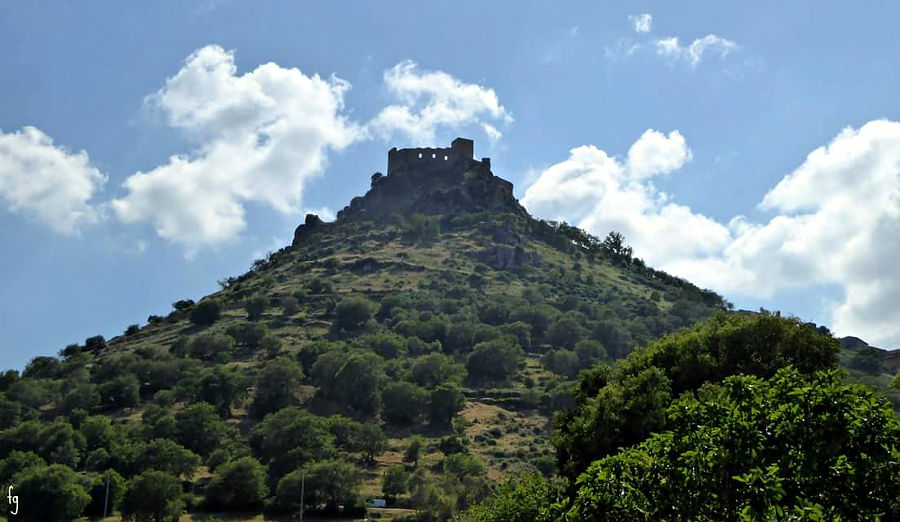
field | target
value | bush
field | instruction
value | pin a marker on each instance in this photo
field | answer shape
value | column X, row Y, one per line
column 51, row 493
column 403, row 402
column 622, row 407
column 239, row 485
column 120, row 392
column 153, row 495
column 255, row 306
column 132, row 329
column 495, row 360
column 290, row 305
column 210, row 346
column 247, row 335
column 808, row 446
column 353, row 312
column 329, row 485
column 276, row 387
column 395, row 482
column 206, row 312
column 95, row 343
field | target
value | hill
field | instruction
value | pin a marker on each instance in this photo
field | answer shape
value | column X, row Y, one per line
column 433, row 312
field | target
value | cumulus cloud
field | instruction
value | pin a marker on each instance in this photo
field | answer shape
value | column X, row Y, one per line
column 262, row 136
column 47, row 182
column 430, row 99
column 693, row 53
column 642, row 23
column 836, row 223
column 599, row 193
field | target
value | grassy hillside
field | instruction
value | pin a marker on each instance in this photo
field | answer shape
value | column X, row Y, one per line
column 460, row 332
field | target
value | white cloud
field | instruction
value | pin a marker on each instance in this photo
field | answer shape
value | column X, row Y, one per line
column 655, row 153
column 432, row 99
column 693, row 53
column 642, row 23
column 836, row 223
column 262, row 136
column 601, row 193
column 47, row 182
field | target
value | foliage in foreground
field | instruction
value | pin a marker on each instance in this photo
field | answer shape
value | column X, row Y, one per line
column 622, row 407
column 794, row 447
column 791, row 447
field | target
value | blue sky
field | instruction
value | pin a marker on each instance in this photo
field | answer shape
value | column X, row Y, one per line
column 750, row 147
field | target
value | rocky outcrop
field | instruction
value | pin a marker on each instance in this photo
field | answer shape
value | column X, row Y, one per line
column 311, row 225
column 433, row 186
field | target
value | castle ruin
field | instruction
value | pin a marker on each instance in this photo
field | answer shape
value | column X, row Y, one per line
column 461, row 151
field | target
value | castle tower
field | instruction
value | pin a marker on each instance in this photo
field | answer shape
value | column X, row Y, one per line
column 461, row 149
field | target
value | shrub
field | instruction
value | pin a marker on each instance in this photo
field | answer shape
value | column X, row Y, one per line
column 808, row 446
column 238, row 485
column 403, row 402
column 51, row 493
column 353, row 312
column 153, row 495
column 255, row 306
column 290, row 305
column 206, row 312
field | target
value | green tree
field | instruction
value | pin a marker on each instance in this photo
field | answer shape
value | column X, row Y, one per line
column 413, row 450
column 167, row 456
column 350, row 378
column 83, row 396
column 353, row 312
column 247, row 336
column 290, row 306
column 290, row 438
column 451, row 444
column 255, row 307
column 790, row 447
column 120, row 392
column 276, row 387
column 436, row 368
column 239, row 485
column 623, row 407
column 395, row 482
column 615, row 246
column 589, row 352
column 200, row 429
column 210, row 346
column 403, row 402
column 153, row 496
column 565, row 332
column 561, row 362
column 221, row 387
column 98, row 492
column 18, row 462
column 527, row 498
column 98, row 432
column 51, row 493
column 330, row 485
column 445, row 402
column 387, row 345
column 495, row 360
column 206, row 312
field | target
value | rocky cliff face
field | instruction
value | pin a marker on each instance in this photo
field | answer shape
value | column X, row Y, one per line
column 431, row 188
column 434, row 188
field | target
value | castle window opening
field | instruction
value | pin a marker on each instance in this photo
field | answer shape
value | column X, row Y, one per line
column 445, row 158
column 420, row 155
column 433, row 156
